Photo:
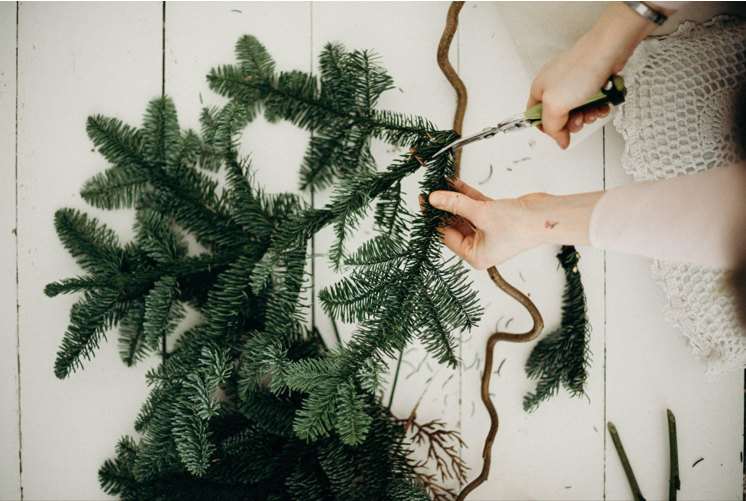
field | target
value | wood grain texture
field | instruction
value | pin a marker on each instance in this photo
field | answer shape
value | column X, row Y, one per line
column 10, row 474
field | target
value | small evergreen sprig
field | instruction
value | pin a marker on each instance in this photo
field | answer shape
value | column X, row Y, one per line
column 562, row 357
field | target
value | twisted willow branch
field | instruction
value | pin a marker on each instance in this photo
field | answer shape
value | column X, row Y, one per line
column 445, row 66
column 497, row 279
column 489, row 355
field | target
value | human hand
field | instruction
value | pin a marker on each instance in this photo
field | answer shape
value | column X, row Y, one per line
column 574, row 76
column 488, row 232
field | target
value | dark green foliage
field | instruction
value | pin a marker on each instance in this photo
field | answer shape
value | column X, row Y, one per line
column 338, row 106
column 562, row 356
column 250, row 403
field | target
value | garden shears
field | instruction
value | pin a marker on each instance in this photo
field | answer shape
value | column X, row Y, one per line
column 613, row 92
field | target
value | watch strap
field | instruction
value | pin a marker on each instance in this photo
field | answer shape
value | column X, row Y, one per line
column 646, row 12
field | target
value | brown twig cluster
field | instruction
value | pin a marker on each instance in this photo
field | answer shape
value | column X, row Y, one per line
column 442, row 451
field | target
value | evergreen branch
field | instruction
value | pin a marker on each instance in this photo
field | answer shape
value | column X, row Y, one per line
column 95, row 248
column 161, row 133
column 209, row 158
column 255, row 60
column 162, row 310
column 89, row 318
column 79, row 284
column 230, row 122
column 157, row 238
column 351, row 422
column 116, row 476
column 118, row 187
column 117, row 142
column 391, row 213
column 229, row 298
column 353, row 299
column 434, row 331
column 246, row 202
column 318, row 169
column 188, row 150
column 337, row 76
column 132, row 345
column 562, row 357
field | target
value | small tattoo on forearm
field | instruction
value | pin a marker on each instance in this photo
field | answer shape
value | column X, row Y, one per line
column 550, row 225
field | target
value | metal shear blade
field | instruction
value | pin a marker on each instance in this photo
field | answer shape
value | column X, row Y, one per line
column 516, row 122
column 460, row 143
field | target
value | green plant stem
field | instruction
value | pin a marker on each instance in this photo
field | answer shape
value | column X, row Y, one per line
column 674, row 483
column 636, row 494
column 336, row 331
column 396, row 378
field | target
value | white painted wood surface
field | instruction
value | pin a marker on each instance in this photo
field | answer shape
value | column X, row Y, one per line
column 79, row 59
column 10, row 474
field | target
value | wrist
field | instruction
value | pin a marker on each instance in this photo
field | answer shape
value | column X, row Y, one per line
column 617, row 34
column 561, row 220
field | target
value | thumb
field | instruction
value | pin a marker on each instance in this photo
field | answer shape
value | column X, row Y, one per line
column 554, row 121
column 458, row 204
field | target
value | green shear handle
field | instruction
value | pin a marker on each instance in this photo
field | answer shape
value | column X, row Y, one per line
column 613, row 92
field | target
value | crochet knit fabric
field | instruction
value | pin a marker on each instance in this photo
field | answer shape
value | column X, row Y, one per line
column 679, row 118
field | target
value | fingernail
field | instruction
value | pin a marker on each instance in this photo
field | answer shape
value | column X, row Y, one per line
column 437, row 199
column 577, row 121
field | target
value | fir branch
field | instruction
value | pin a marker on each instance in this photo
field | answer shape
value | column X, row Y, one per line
column 90, row 317
column 118, row 187
column 79, row 284
column 209, row 158
column 161, row 133
column 188, row 150
column 95, row 248
column 120, row 144
column 162, row 310
column 562, row 357
column 132, row 345
column 157, row 238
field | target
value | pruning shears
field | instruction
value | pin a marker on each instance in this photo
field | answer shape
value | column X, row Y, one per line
column 613, row 92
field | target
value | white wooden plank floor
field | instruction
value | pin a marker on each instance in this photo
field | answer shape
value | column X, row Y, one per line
column 78, row 59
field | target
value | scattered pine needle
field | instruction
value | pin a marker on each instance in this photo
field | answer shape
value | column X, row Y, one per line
column 488, row 177
column 501, row 366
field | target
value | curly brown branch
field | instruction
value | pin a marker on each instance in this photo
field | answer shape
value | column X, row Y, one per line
column 489, row 356
column 458, row 85
column 445, row 66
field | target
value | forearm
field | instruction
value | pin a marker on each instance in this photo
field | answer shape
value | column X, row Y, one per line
column 561, row 220
column 617, row 33
column 697, row 218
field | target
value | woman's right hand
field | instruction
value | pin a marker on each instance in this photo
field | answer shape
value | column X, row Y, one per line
column 574, row 76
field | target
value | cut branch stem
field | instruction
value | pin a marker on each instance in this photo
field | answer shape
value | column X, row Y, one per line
column 636, row 494
column 674, row 483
